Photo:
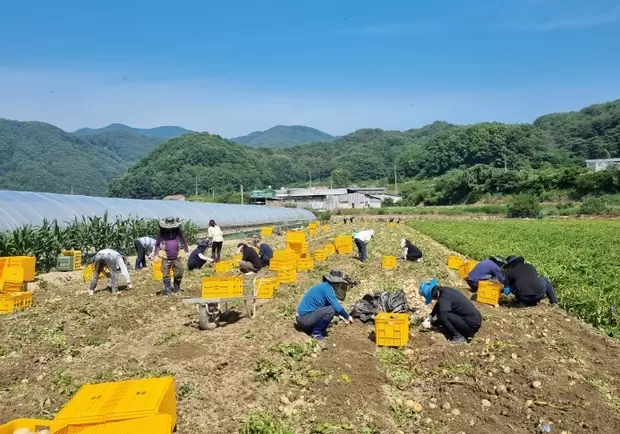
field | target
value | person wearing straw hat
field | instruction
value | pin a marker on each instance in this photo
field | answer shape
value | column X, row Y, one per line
column 452, row 311
column 168, row 244
column 322, row 302
column 489, row 269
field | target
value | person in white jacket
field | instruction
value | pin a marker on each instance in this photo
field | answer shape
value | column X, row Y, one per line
column 115, row 263
column 143, row 246
column 361, row 240
column 215, row 234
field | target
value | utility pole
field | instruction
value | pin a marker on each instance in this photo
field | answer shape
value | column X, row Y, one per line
column 331, row 182
column 310, row 174
column 241, row 194
column 72, row 190
column 214, row 193
column 196, row 190
column 505, row 161
column 395, row 181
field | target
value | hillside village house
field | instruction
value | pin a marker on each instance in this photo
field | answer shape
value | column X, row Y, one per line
column 603, row 164
column 323, row 198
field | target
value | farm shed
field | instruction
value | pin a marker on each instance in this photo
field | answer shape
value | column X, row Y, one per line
column 18, row 208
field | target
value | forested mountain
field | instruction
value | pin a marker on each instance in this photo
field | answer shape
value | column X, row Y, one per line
column 41, row 157
column 130, row 147
column 164, row 132
column 283, row 136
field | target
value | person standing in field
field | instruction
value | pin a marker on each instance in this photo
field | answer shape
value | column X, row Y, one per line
column 522, row 280
column 143, row 245
column 169, row 242
column 489, row 269
column 361, row 240
column 115, row 262
column 215, row 234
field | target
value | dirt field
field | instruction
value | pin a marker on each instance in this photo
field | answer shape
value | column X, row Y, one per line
column 525, row 366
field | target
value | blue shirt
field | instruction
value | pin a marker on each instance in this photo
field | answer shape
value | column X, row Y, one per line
column 321, row 295
column 486, row 270
column 265, row 250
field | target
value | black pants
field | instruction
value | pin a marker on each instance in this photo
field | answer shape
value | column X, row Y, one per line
column 472, row 285
column 195, row 265
column 216, row 250
column 533, row 301
column 141, row 259
column 361, row 249
column 465, row 328
column 317, row 322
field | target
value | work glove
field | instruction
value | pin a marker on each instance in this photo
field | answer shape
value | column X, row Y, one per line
column 130, row 286
column 427, row 323
column 507, row 290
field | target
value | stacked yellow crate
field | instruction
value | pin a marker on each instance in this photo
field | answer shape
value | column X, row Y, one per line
column 14, row 271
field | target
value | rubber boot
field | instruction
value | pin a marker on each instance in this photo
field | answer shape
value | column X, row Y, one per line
column 320, row 330
column 167, row 288
column 177, row 285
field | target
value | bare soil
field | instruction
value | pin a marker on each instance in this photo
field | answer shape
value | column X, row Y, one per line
column 525, row 366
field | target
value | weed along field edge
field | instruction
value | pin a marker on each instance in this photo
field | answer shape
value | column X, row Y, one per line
column 525, row 367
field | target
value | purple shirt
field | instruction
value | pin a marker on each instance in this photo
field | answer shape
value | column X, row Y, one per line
column 172, row 242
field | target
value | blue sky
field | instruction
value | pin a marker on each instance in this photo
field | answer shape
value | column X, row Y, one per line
column 337, row 65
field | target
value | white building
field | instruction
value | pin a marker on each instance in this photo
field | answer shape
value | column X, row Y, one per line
column 603, row 164
column 323, row 198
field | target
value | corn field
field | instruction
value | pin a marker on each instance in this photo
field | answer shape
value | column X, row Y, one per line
column 89, row 235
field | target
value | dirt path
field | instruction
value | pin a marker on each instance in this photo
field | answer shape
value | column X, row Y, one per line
column 265, row 368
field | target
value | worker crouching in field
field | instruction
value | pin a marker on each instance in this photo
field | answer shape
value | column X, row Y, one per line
column 452, row 311
column 197, row 258
column 489, row 269
column 320, row 304
column 170, row 241
column 362, row 239
column 265, row 252
column 250, row 263
column 115, row 263
column 523, row 281
column 410, row 252
column 143, row 245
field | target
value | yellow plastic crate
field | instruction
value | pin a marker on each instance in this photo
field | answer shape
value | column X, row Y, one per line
column 9, row 303
column 325, row 227
column 123, row 400
column 282, row 264
column 77, row 258
column 157, row 272
column 389, row 262
column 466, row 268
column 455, row 262
column 222, row 287
column 314, row 225
column 391, row 329
column 266, row 231
column 330, row 249
column 312, row 232
column 287, row 276
column 237, row 257
column 305, row 264
column 299, row 248
column 34, row 425
column 26, row 263
column 265, row 287
column 284, row 254
column 159, row 424
column 12, row 278
column 89, row 270
column 488, row 292
column 295, row 237
column 320, row 255
column 391, row 225
column 224, row 267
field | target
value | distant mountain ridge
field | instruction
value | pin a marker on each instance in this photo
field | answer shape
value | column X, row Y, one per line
column 283, row 136
column 163, row 132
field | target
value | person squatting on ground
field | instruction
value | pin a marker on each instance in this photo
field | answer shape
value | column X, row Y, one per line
column 489, row 269
column 452, row 311
column 215, row 234
column 361, row 241
column 410, row 252
column 170, row 241
column 522, row 280
column 265, row 252
column 250, row 262
column 320, row 304
column 197, row 258
column 143, row 245
column 115, row 263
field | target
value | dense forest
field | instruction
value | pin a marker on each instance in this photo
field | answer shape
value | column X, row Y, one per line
column 283, row 136
column 165, row 132
column 439, row 163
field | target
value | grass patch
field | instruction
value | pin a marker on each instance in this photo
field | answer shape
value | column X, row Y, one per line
column 187, row 390
column 607, row 391
column 167, row 338
column 267, row 371
column 264, row 423
column 65, row 384
column 55, row 338
column 295, row 350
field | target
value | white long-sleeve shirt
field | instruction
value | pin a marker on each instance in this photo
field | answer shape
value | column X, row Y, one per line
column 215, row 233
column 148, row 243
column 115, row 261
column 365, row 236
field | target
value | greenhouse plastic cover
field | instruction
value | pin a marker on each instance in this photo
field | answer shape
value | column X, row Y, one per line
column 18, row 208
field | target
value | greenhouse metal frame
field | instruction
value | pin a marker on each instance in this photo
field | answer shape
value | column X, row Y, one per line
column 19, row 208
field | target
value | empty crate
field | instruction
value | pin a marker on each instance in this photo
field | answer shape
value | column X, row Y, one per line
column 388, row 262
column 391, row 329
column 488, row 292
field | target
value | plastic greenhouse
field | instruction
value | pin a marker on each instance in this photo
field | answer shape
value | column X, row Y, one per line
column 18, row 208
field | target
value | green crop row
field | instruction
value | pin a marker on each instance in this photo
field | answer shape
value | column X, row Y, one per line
column 90, row 234
column 580, row 257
